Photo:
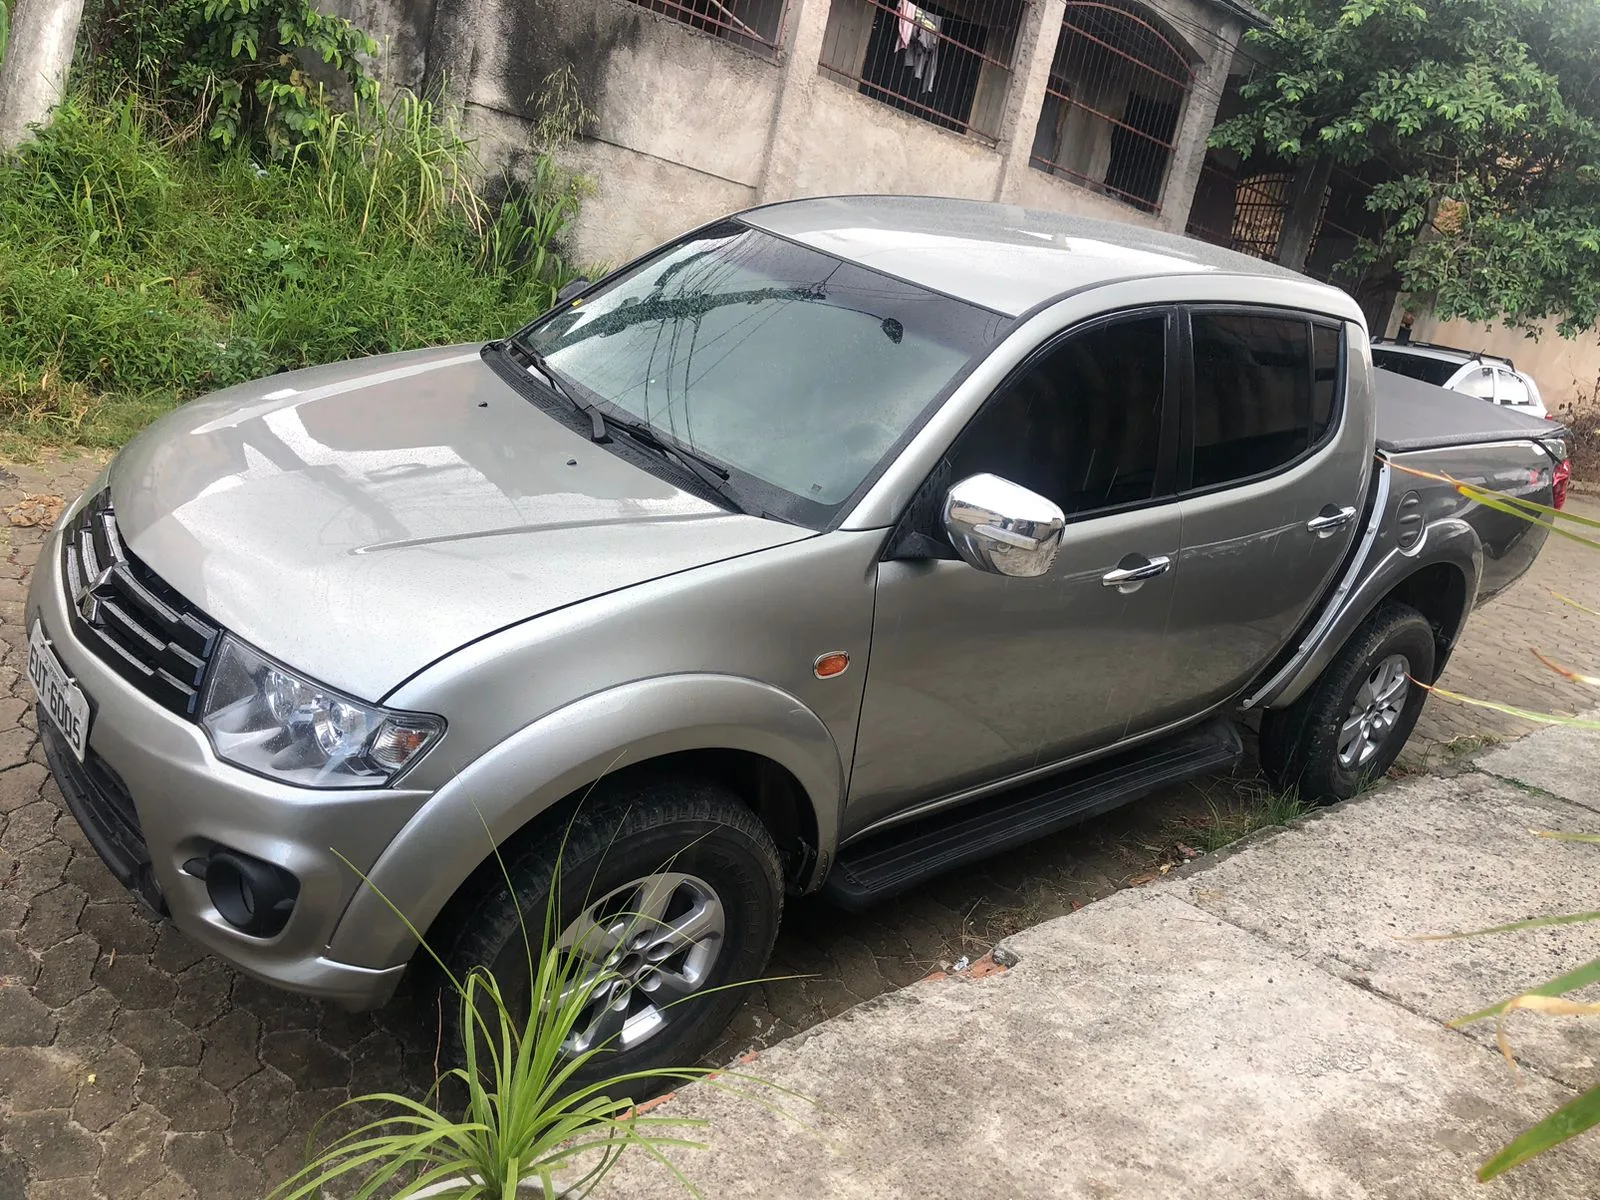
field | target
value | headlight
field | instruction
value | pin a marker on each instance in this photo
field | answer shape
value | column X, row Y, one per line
column 265, row 718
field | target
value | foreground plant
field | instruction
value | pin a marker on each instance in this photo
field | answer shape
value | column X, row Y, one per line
column 1549, row 997
column 525, row 1118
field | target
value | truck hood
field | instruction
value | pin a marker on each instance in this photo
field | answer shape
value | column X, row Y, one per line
column 361, row 520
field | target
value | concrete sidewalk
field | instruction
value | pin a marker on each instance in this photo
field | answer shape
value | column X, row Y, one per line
column 1257, row 1025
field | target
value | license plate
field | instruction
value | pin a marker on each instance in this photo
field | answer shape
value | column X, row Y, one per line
column 63, row 700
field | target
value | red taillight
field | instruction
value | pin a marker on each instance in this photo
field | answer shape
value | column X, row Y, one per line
column 1559, row 481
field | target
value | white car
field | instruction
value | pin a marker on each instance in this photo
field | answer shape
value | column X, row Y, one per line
column 1485, row 376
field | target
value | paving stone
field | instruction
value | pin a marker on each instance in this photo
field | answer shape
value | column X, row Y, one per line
column 132, row 1162
column 267, row 1091
column 14, row 747
column 189, row 1103
column 39, row 870
column 378, row 1064
column 105, row 1093
column 65, row 970
column 24, row 1020
column 230, row 1049
column 12, row 909
column 53, row 1145
column 174, row 950
column 79, row 1187
column 29, row 826
column 275, row 1008
column 96, row 880
column 33, row 1077
column 170, row 1186
column 205, row 1163
column 86, row 1021
column 134, row 982
column 158, row 1039
column 307, row 1062
column 18, row 967
column 342, row 1029
column 13, row 1175
column 121, row 924
column 203, row 992
column 53, row 917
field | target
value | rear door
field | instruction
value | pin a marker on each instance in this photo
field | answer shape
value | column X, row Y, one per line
column 1272, row 477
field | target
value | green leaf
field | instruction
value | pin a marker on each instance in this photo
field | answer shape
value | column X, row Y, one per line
column 1513, row 927
column 1580, row 977
column 1566, row 1122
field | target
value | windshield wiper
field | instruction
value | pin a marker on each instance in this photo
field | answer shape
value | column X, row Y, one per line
column 536, row 364
column 708, row 472
column 641, row 433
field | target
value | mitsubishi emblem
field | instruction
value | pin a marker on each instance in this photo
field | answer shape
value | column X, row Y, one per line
column 89, row 602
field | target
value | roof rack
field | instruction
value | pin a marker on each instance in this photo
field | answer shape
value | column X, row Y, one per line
column 1470, row 354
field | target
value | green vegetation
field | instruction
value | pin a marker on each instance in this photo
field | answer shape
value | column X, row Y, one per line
column 142, row 263
column 525, row 1118
column 1482, row 120
column 1246, row 811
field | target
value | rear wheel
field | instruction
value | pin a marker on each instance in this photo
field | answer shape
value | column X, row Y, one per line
column 664, row 894
column 1352, row 723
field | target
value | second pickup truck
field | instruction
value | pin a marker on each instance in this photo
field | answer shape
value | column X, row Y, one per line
column 831, row 546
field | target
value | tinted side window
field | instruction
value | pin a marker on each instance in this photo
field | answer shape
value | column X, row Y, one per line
column 1326, row 393
column 1513, row 390
column 1479, row 383
column 1252, row 394
column 1082, row 423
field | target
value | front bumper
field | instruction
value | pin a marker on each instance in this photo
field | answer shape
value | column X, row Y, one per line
column 152, row 795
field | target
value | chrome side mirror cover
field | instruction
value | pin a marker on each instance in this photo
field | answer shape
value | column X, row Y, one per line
column 1002, row 528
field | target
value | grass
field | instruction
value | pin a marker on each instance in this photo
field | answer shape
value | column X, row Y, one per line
column 1247, row 809
column 139, row 267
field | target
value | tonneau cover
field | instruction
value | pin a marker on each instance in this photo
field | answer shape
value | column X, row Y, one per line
column 1413, row 415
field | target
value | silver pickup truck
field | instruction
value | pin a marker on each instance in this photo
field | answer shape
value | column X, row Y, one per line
column 829, row 547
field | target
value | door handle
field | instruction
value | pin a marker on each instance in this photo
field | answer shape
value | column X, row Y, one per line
column 1149, row 569
column 1329, row 519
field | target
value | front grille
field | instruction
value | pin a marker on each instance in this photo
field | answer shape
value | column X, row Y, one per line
column 103, row 808
column 125, row 614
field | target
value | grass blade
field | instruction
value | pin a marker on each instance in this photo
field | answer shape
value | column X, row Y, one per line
column 1579, row 977
column 1566, row 1122
column 1531, row 923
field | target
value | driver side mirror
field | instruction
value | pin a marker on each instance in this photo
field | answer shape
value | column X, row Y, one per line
column 1002, row 528
column 571, row 292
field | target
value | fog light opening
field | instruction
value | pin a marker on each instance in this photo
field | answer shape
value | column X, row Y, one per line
column 254, row 897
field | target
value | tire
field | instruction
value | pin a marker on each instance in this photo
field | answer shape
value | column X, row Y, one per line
column 655, row 830
column 1301, row 744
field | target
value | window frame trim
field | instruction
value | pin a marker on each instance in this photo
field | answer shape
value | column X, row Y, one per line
column 1165, row 488
column 1341, row 394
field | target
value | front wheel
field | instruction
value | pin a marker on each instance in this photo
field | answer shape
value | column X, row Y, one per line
column 663, row 896
column 1352, row 723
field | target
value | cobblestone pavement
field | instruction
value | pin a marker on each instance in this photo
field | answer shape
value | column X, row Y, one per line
column 134, row 1065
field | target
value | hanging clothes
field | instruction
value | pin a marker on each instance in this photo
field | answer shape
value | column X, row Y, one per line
column 922, row 55
column 908, row 22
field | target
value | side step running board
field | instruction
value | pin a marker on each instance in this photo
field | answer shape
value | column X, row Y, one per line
column 889, row 863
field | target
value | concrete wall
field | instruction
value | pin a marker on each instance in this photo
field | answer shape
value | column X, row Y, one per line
column 854, row 144
column 689, row 126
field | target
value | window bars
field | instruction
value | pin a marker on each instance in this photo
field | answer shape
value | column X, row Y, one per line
column 1115, row 96
column 947, row 62
column 754, row 24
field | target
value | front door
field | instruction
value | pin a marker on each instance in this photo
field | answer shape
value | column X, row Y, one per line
column 974, row 677
column 1275, row 477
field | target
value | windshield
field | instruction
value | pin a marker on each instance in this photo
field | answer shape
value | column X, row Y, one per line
column 799, row 372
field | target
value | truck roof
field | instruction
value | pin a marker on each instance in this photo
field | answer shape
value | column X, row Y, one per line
column 1004, row 257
